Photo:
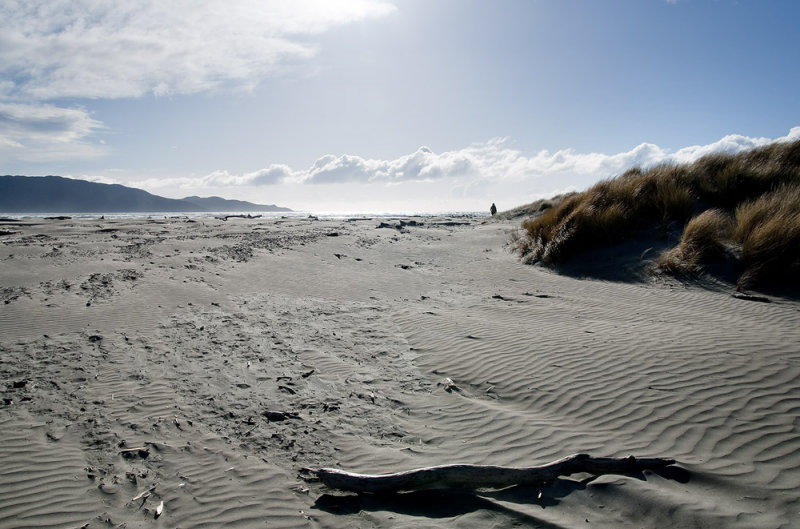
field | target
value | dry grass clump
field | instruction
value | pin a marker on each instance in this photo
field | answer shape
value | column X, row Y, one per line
column 764, row 234
column 768, row 231
column 747, row 203
column 704, row 240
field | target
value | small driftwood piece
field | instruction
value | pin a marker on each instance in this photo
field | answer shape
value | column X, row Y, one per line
column 141, row 451
column 485, row 476
column 145, row 493
column 277, row 416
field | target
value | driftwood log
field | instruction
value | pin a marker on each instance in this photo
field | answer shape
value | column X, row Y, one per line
column 485, row 476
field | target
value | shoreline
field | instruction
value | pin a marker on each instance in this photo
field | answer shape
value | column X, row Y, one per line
column 268, row 215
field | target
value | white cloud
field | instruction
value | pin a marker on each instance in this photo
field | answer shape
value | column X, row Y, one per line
column 274, row 174
column 106, row 49
column 422, row 165
column 99, row 179
column 42, row 132
column 495, row 160
column 216, row 180
column 731, row 144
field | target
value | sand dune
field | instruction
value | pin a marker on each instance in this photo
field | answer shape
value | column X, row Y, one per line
column 204, row 364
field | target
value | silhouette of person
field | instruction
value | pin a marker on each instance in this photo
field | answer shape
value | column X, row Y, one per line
column 493, row 209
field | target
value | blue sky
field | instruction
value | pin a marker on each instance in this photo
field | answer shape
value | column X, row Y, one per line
column 388, row 105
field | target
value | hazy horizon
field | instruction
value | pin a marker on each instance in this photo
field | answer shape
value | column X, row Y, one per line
column 388, row 106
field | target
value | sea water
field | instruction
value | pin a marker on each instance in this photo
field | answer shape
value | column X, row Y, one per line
column 254, row 214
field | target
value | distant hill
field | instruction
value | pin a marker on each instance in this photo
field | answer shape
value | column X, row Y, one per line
column 223, row 204
column 55, row 194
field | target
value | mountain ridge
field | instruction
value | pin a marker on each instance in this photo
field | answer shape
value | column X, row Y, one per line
column 57, row 194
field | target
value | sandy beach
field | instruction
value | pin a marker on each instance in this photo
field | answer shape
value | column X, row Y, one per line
column 184, row 372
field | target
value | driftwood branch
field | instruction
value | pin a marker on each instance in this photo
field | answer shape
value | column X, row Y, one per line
column 484, row 476
column 248, row 216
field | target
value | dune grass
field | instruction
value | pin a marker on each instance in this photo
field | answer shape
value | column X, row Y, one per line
column 533, row 209
column 744, row 207
column 606, row 213
column 704, row 240
column 768, row 232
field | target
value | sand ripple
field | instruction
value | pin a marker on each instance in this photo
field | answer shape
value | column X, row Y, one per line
column 210, row 362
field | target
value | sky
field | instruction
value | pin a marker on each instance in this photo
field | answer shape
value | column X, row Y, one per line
column 414, row 106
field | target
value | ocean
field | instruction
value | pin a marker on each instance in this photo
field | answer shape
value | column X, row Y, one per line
column 253, row 214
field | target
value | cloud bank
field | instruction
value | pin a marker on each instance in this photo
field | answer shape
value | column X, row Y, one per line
column 493, row 161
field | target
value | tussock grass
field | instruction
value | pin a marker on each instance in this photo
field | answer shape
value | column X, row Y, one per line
column 744, row 207
column 704, row 240
column 768, row 231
